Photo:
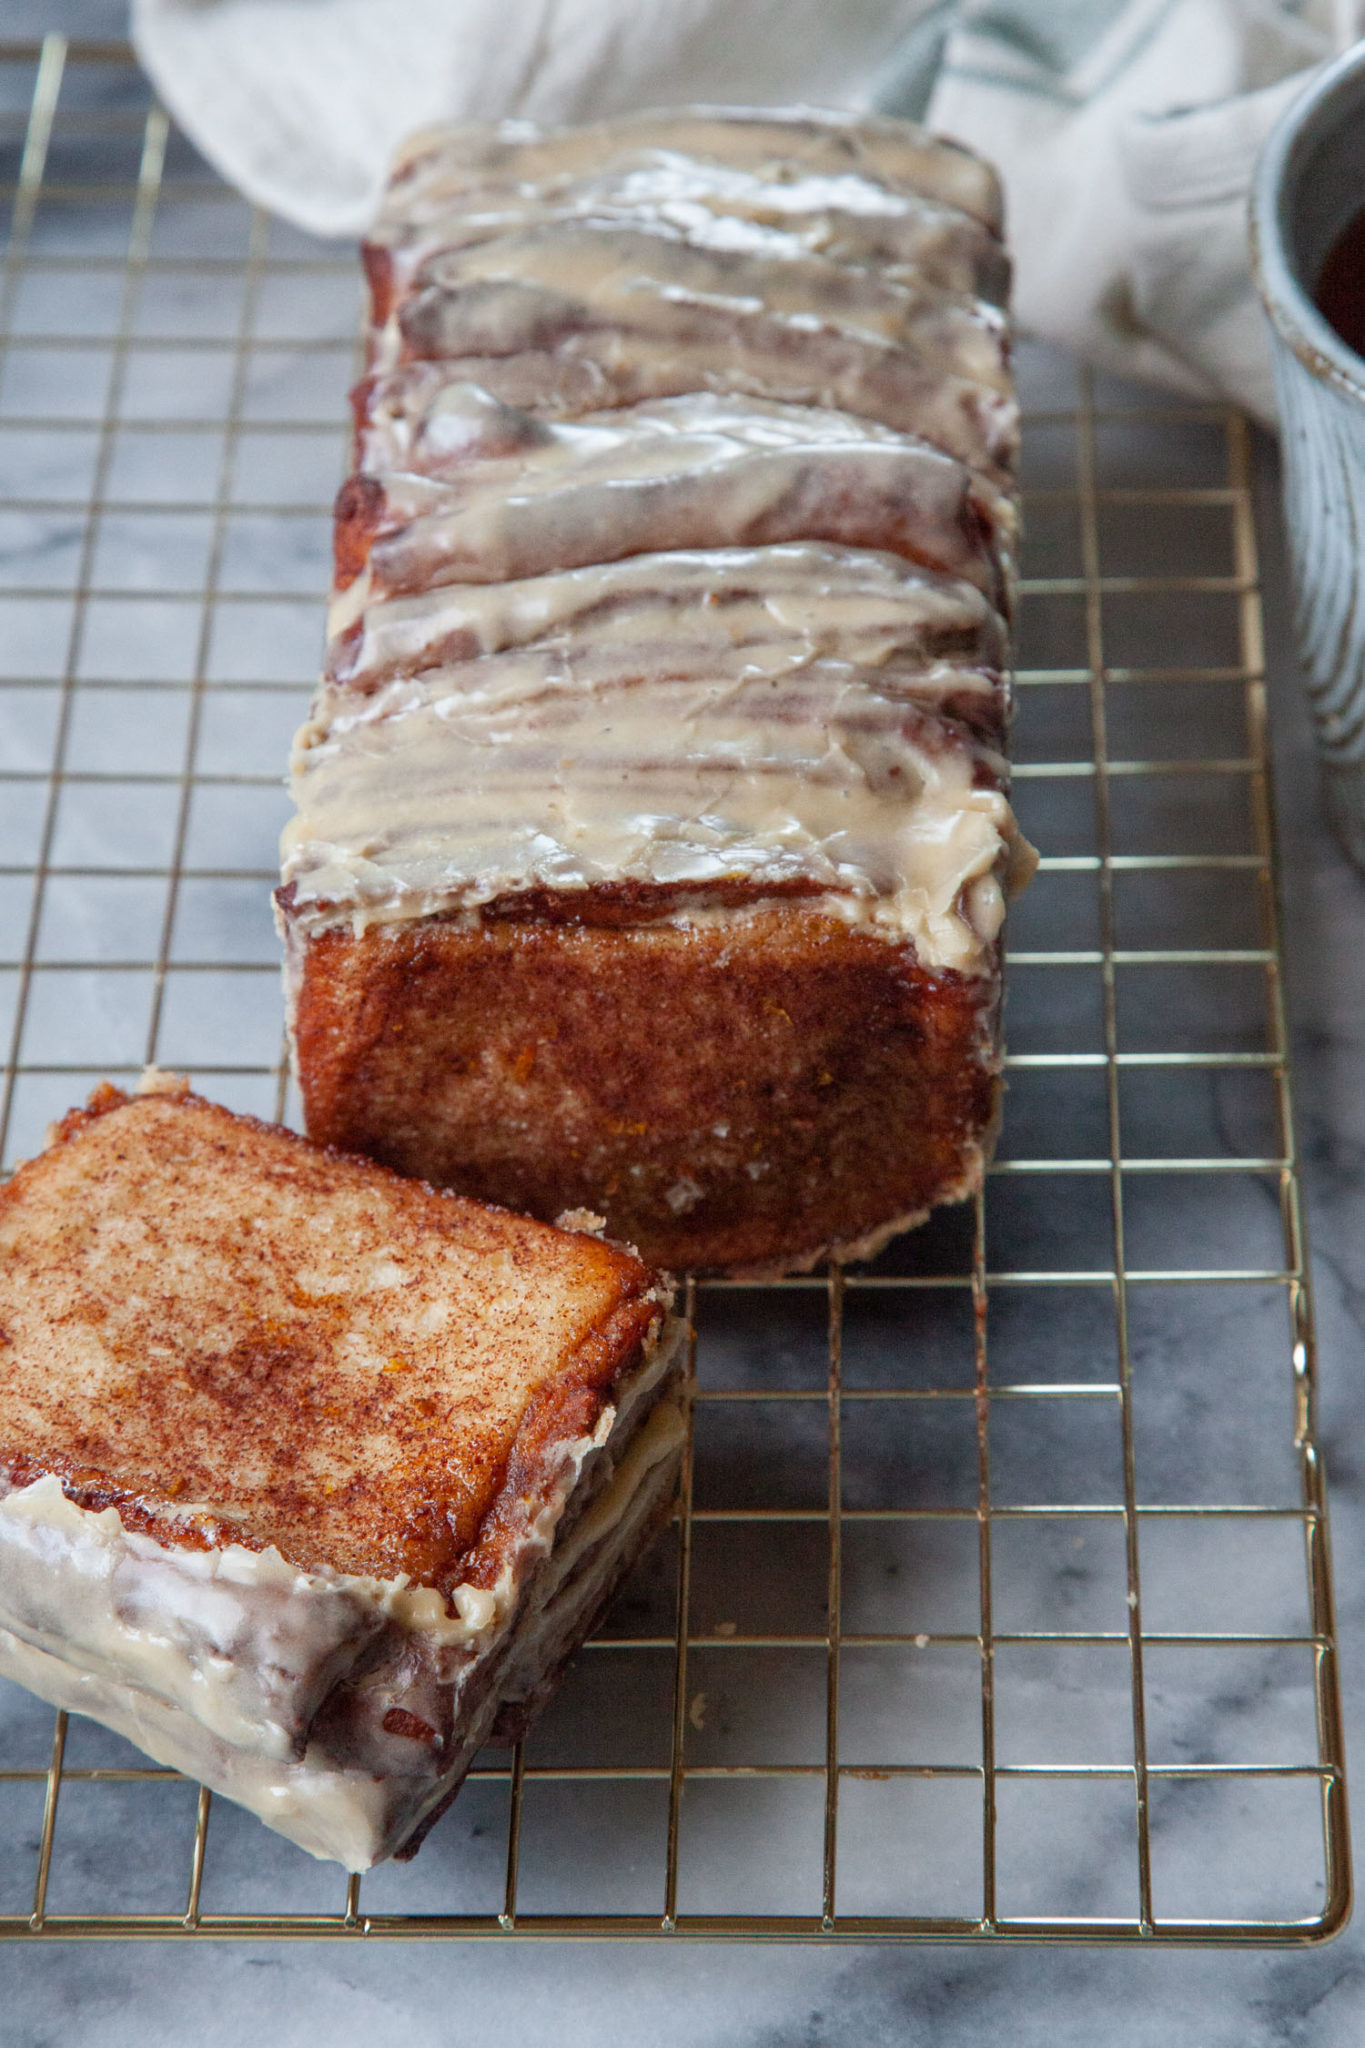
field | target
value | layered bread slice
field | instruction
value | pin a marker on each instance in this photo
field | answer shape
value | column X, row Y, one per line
column 313, row 1478
column 653, row 836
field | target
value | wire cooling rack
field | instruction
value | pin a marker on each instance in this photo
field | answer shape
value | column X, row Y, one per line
column 999, row 1601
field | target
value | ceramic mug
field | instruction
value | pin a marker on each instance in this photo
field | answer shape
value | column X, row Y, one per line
column 1310, row 184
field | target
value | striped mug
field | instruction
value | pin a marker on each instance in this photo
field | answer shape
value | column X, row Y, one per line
column 1309, row 186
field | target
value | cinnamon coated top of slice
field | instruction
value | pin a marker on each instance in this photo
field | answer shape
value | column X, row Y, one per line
column 230, row 1335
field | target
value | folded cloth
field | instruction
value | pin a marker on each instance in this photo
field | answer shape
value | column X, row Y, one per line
column 1125, row 129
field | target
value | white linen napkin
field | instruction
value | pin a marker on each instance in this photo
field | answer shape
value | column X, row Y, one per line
column 1125, row 130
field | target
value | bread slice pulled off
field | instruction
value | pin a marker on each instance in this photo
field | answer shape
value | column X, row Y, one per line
column 313, row 1477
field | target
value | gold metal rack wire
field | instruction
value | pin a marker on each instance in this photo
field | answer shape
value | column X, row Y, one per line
column 999, row 1602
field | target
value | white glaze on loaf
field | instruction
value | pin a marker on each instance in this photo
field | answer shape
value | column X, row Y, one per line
column 681, row 533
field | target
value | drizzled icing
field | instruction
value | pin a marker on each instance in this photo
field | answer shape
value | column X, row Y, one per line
column 730, row 610
column 815, row 176
column 490, row 499
column 630, row 272
column 806, row 259
column 451, row 789
column 841, row 215
column 680, row 534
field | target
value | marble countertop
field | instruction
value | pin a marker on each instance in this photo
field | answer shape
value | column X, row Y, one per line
column 113, row 1994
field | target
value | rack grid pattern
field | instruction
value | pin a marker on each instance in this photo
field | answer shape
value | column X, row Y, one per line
column 998, row 1604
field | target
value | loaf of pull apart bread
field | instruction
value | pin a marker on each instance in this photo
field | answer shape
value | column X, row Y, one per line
column 652, row 840
column 311, row 1478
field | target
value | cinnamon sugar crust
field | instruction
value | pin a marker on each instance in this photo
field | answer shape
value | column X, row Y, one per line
column 231, row 1337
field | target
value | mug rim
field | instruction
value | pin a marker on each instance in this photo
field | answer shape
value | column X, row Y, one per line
column 1296, row 319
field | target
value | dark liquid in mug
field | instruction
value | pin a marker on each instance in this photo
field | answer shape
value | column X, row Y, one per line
column 1340, row 294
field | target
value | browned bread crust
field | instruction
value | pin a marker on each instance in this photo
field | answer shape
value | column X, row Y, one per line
column 730, row 1096
column 229, row 1336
